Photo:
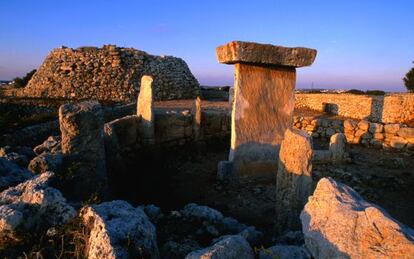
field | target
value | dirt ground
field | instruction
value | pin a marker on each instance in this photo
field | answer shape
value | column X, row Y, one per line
column 380, row 176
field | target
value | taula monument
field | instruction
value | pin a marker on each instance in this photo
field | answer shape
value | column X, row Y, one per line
column 264, row 83
column 109, row 73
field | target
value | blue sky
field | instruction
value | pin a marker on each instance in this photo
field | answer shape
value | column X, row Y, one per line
column 361, row 44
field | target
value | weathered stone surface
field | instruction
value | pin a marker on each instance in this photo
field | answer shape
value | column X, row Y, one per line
column 294, row 178
column 11, row 174
column 46, row 162
column 263, row 110
column 392, row 128
column 337, row 147
column 406, row 132
column 32, row 205
column 118, row 230
column 109, row 73
column 145, row 108
column 376, row 128
column 51, row 143
column 398, row 142
column 196, row 111
column 225, row 171
column 230, row 247
column 252, row 235
column 363, row 125
column 202, row 212
column 126, row 130
column 338, row 223
column 82, row 129
column 284, row 252
column 265, row 54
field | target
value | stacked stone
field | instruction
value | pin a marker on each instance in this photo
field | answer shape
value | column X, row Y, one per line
column 378, row 135
column 109, row 73
column 318, row 128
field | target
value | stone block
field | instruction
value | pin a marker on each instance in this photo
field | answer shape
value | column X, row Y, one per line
column 145, row 109
column 363, row 125
column 392, row 128
column 406, row 132
column 398, row 142
column 376, row 128
column 294, row 178
column 82, row 142
column 264, row 54
column 337, row 147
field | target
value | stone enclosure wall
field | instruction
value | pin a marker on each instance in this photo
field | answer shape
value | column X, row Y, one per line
column 391, row 108
column 109, row 73
column 371, row 134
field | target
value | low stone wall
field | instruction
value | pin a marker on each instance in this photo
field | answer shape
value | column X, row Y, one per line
column 371, row 134
column 391, row 108
column 172, row 127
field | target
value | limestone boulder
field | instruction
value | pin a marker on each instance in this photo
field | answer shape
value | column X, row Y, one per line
column 230, row 247
column 46, row 162
column 392, row 128
column 284, row 252
column 398, row 142
column 406, row 132
column 202, row 213
column 52, row 143
column 338, row 223
column 33, row 205
column 11, row 174
column 294, row 181
column 250, row 52
column 376, row 128
column 118, row 230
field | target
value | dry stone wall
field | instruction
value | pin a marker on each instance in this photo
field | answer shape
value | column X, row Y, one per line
column 372, row 134
column 109, row 73
column 391, row 108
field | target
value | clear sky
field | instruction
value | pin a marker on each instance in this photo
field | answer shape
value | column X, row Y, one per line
column 361, row 44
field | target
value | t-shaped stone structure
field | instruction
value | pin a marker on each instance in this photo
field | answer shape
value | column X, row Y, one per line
column 264, row 83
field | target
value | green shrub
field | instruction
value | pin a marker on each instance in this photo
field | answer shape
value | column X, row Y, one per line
column 22, row 81
column 355, row 91
column 409, row 80
column 375, row 92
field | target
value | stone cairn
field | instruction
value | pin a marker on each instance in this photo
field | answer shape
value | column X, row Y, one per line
column 263, row 105
column 109, row 73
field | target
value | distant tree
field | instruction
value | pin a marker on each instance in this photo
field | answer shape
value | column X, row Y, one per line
column 375, row 92
column 409, row 80
column 22, row 81
column 355, row 91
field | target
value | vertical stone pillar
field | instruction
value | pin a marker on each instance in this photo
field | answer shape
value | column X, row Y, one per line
column 196, row 110
column 145, row 109
column 82, row 130
column 294, row 178
column 337, row 148
column 264, row 82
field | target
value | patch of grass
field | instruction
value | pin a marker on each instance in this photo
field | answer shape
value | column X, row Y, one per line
column 67, row 241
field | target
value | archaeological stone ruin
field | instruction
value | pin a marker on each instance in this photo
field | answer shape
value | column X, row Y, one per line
column 145, row 178
column 264, row 83
column 109, row 73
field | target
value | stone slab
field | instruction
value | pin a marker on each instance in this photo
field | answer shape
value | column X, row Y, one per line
column 262, row 111
column 264, row 54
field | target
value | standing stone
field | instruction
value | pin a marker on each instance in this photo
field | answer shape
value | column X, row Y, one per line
column 337, row 147
column 264, row 82
column 145, row 109
column 294, row 178
column 196, row 110
column 82, row 129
